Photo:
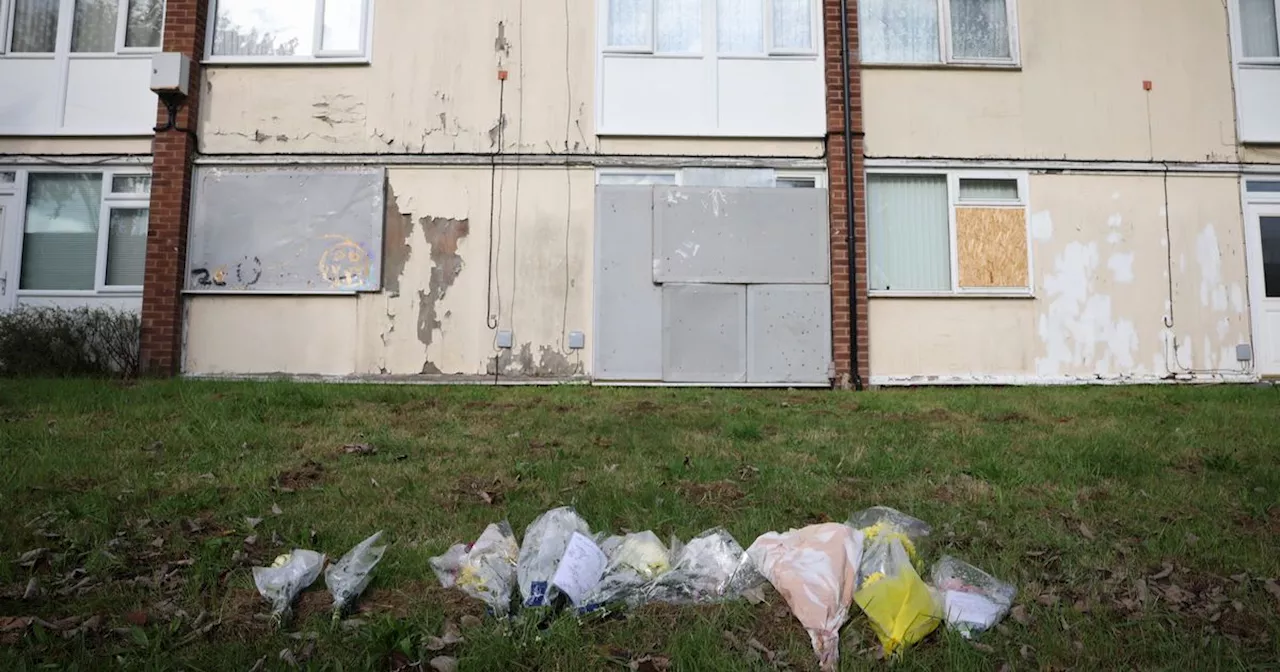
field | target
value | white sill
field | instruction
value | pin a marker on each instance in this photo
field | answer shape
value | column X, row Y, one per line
column 88, row 133
column 1012, row 294
column 703, row 133
column 79, row 293
column 291, row 61
column 1011, row 67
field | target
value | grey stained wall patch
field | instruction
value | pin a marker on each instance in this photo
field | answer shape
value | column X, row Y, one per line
column 443, row 236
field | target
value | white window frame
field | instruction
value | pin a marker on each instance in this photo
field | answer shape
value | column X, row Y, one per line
column 109, row 201
column 710, row 37
column 318, row 56
column 66, row 22
column 953, row 202
column 1237, row 43
column 819, row 177
column 946, row 49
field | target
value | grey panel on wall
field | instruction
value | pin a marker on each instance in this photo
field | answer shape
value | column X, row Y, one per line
column 788, row 333
column 286, row 230
column 628, row 341
column 704, row 333
column 740, row 235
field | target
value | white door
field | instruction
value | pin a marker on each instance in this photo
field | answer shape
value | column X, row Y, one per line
column 1264, row 285
column 8, row 278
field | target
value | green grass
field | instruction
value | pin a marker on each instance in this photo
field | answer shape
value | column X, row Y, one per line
column 1079, row 496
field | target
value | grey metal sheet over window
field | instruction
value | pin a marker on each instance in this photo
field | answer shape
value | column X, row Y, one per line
column 788, row 333
column 628, row 304
column 740, row 235
column 289, row 231
column 704, row 333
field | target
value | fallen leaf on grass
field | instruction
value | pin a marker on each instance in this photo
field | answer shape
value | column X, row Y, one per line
column 361, row 449
column 469, row 621
column 286, row 656
column 448, row 638
column 1086, row 532
column 30, row 558
column 257, row 667
column 276, row 510
column 985, row 648
column 1272, row 587
column 206, row 476
column 651, row 664
column 1166, row 571
column 1019, row 614
column 253, row 522
column 138, row 618
column 444, row 664
column 1191, row 538
column 1026, row 651
column 33, row 589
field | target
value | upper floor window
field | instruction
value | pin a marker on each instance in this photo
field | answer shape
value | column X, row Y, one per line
column 739, row 27
column 289, row 30
column 938, row 31
column 97, row 26
column 1259, row 31
column 739, row 68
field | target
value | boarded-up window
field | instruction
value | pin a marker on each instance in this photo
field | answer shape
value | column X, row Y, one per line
column 936, row 233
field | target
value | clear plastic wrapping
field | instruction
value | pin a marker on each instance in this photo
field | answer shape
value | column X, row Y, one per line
column 635, row 561
column 544, row 543
column 972, row 600
column 815, row 569
column 700, row 570
column 348, row 577
column 289, row 575
column 901, row 607
column 485, row 570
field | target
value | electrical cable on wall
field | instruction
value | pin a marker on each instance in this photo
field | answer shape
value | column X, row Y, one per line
column 515, row 235
column 491, row 318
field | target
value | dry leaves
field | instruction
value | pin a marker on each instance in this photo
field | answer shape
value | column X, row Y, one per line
column 444, row 664
column 361, row 449
column 1019, row 614
column 449, row 637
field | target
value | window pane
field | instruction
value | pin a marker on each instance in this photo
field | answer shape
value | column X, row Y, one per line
column 94, row 26
column 264, row 28
column 979, row 29
column 1263, row 186
column 988, row 190
column 636, row 178
column 909, row 233
column 1258, row 28
column 1271, row 254
column 899, row 31
column 126, row 246
column 740, row 26
column 629, row 23
column 60, row 242
column 792, row 24
column 146, row 23
column 35, row 26
column 796, row 183
column 343, row 25
column 679, row 26
column 131, row 184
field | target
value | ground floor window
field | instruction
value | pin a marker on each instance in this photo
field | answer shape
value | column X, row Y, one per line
column 84, row 231
column 713, row 177
column 937, row 233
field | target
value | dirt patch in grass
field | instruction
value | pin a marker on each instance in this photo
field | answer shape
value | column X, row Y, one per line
column 963, row 488
column 722, row 495
column 309, row 475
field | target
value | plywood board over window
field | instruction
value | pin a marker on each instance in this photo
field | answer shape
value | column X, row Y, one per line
column 991, row 247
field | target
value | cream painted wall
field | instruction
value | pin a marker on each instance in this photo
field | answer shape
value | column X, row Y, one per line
column 1079, row 93
column 57, row 146
column 432, row 86
column 270, row 334
column 431, row 315
column 1101, row 293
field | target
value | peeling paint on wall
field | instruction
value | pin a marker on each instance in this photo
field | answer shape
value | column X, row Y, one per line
column 1079, row 319
column 396, row 244
column 442, row 235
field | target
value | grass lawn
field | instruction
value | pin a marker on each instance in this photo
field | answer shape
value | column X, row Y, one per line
column 1140, row 524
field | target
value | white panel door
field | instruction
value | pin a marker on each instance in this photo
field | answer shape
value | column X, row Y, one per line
column 8, row 274
column 1264, row 285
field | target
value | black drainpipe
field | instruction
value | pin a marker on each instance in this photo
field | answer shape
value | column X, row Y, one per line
column 848, row 185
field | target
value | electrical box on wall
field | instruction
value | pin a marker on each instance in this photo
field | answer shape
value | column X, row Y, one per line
column 170, row 73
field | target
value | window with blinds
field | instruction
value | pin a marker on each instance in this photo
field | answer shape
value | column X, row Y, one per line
column 84, row 232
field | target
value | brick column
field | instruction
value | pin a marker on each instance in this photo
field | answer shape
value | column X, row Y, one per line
column 842, row 331
column 172, row 154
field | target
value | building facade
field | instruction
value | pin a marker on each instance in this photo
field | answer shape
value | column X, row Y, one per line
column 655, row 191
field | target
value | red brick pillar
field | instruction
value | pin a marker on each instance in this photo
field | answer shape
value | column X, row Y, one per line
column 172, row 153
column 842, row 331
